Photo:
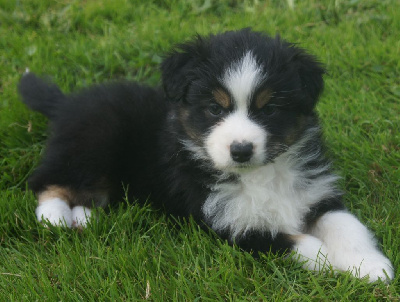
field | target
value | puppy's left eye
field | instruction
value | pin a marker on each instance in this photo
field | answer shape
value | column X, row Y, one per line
column 215, row 109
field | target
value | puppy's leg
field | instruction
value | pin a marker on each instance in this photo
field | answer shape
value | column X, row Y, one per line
column 311, row 251
column 308, row 250
column 54, row 206
column 61, row 206
column 80, row 216
column 350, row 246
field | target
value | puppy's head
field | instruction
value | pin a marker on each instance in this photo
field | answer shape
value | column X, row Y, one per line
column 241, row 97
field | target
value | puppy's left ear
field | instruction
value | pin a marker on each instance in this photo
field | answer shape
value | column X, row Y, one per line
column 311, row 73
column 176, row 71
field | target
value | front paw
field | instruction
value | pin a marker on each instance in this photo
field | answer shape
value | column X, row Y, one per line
column 80, row 216
column 375, row 267
column 56, row 211
column 311, row 252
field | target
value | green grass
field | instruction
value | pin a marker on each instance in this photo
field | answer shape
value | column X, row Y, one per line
column 135, row 253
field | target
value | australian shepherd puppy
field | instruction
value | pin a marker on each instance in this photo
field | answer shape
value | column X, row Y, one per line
column 232, row 139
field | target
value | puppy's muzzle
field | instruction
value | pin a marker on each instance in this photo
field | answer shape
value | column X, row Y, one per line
column 241, row 152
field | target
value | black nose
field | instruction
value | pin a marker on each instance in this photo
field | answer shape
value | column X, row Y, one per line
column 241, row 152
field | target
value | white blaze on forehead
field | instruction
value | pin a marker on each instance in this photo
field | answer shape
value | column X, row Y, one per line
column 241, row 79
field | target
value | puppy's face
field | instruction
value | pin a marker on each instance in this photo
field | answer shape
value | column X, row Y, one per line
column 243, row 98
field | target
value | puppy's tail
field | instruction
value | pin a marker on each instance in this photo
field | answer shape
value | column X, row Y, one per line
column 40, row 95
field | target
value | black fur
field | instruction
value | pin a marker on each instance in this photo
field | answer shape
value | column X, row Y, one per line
column 40, row 95
column 125, row 134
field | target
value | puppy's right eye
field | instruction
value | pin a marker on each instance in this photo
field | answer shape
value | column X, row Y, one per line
column 269, row 109
column 215, row 109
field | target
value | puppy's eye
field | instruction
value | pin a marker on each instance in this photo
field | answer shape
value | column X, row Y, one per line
column 215, row 109
column 269, row 109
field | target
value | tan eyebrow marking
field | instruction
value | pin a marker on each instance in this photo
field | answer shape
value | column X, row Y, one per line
column 222, row 98
column 263, row 98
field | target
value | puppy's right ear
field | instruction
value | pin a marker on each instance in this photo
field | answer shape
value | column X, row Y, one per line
column 179, row 66
column 176, row 74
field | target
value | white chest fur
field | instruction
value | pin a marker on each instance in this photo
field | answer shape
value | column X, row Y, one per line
column 273, row 198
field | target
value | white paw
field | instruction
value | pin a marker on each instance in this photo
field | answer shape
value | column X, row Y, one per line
column 312, row 252
column 56, row 211
column 80, row 216
column 351, row 246
column 375, row 267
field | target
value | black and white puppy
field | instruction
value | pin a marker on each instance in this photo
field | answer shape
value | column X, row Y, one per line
column 232, row 140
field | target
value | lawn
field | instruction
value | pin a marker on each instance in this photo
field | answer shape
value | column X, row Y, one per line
column 136, row 253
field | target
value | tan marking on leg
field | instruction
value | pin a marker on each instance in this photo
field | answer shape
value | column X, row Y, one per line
column 297, row 237
column 55, row 192
column 88, row 198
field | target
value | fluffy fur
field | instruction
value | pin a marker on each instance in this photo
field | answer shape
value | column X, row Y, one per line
column 232, row 140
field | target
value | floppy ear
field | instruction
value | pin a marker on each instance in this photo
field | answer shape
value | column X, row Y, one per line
column 310, row 71
column 175, row 71
column 178, row 68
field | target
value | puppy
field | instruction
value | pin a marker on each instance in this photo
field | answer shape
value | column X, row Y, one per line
column 232, row 139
